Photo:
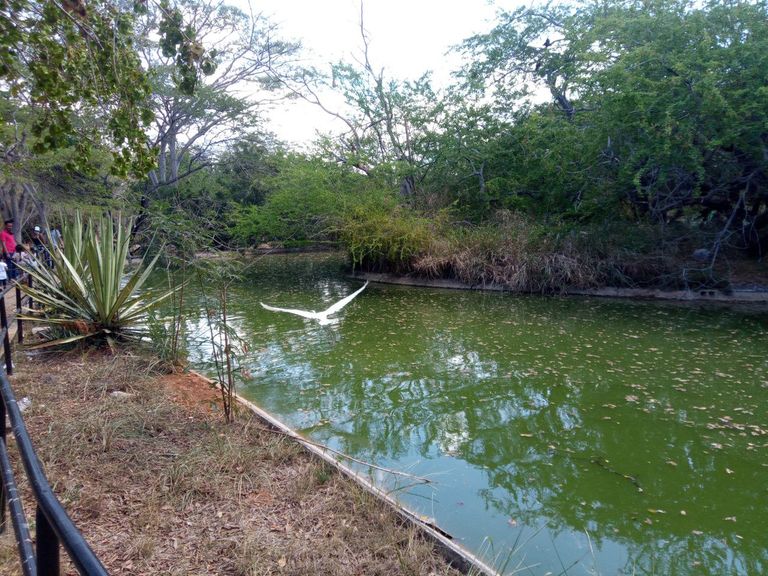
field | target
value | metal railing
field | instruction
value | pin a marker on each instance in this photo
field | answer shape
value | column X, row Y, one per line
column 53, row 527
column 4, row 324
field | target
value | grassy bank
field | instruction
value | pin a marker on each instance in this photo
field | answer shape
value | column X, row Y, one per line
column 160, row 485
column 525, row 255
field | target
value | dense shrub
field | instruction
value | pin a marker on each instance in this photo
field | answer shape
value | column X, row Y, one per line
column 386, row 241
column 287, row 216
column 512, row 251
column 307, row 200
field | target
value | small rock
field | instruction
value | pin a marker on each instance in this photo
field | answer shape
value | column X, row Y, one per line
column 120, row 395
column 24, row 403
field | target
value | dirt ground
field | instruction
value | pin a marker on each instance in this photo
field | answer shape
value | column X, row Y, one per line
column 159, row 484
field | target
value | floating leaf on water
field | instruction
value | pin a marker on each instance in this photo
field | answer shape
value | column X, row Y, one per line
column 730, row 518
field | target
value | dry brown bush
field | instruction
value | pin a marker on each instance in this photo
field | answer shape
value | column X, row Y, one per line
column 522, row 256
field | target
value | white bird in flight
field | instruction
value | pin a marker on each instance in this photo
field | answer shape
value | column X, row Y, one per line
column 322, row 317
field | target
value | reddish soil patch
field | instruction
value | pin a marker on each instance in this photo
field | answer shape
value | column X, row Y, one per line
column 192, row 391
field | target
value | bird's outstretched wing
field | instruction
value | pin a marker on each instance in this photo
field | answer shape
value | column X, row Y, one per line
column 343, row 302
column 304, row 313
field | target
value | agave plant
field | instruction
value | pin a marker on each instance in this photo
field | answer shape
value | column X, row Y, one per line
column 88, row 293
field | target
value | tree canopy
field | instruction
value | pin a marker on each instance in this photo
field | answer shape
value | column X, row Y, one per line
column 664, row 103
column 646, row 116
column 74, row 70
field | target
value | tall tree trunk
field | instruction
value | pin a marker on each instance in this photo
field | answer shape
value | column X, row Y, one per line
column 408, row 187
column 138, row 224
column 173, row 157
column 11, row 209
column 161, row 167
column 30, row 193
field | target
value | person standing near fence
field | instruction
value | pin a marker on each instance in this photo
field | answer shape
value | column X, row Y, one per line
column 8, row 243
column 39, row 249
column 3, row 274
column 56, row 242
column 23, row 257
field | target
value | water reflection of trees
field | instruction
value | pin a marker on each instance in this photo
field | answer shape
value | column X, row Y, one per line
column 543, row 458
column 568, row 482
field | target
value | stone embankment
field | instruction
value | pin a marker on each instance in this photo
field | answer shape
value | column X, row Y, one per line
column 746, row 293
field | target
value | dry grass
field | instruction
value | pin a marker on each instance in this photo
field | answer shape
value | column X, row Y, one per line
column 163, row 487
column 516, row 252
column 524, row 256
column 509, row 254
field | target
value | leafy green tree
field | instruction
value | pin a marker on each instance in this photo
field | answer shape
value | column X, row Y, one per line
column 75, row 67
column 200, row 209
column 75, row 103
column 387, row 124
column 190, row 130
column 693, row 107
column 72, row 60
column 247, row 61
column 31, row 182
column 663, row 101
column 308, row 199
column 244, row 168
column 387, row 120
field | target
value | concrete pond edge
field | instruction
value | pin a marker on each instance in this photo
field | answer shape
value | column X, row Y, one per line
column 758, row 296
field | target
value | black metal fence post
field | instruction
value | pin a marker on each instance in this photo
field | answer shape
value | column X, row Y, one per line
column 20, row 527
column 47, row 545
column 6, row 338
column 54, row 529
column 19, row 321
column 29, row 283
column 3, row 495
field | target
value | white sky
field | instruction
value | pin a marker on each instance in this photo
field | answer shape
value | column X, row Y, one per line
column 406, row 38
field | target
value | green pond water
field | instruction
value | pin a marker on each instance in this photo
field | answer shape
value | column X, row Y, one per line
column 563, row 435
